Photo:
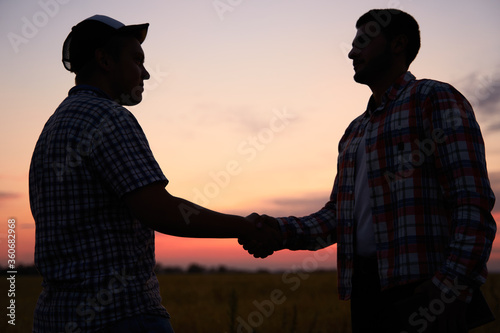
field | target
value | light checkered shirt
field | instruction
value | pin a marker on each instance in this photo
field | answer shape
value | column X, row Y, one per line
column 95, row 258
column 430, row 195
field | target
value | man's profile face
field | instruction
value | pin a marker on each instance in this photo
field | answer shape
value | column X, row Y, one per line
column 128, row 73
column 370, row 54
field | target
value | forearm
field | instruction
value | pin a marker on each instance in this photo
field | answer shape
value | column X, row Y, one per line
column 185, row 219
column 310, row 232
column 159, row 210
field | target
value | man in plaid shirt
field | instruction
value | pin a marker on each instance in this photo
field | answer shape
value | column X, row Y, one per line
column 97, row 195
column 411, row 204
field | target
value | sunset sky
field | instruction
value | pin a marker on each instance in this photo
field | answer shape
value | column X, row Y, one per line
column 246, row 103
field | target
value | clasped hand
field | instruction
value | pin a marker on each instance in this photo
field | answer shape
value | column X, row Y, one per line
column 265, row 239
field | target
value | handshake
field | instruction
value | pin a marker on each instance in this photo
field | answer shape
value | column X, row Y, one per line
column 266, row 237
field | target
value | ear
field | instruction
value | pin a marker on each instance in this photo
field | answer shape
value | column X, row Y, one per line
column 399, row 44
column 103, row 60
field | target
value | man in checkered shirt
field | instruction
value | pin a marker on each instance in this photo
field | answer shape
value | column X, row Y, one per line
column 97, row 194
column 411, row 204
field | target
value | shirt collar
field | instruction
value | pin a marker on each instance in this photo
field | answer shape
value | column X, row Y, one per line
column 398, row 86
column 392, row 92
column 88, row 89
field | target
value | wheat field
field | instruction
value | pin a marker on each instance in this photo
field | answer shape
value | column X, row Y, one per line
column 242, row 303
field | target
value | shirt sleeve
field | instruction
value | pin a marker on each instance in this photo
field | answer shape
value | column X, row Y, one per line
column 462, row 173
column 311, row 232
column 121, row 154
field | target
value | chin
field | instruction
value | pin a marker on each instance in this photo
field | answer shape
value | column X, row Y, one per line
column 365, row 76
column 136, row 100
column 131, row 99
column 360, row 78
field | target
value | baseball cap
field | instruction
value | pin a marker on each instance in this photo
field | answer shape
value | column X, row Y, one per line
column 93, row 33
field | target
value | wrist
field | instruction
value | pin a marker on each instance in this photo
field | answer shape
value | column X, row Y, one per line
column 245, row 227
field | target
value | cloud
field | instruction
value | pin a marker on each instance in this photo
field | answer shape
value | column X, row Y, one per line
column 495, row 185
column 493, row 126
column 5, row 196
column 9, row 195
column 490, row 101
column 238, row 118
column 241, row 117
column 482, row 89
column 306, row 204
column 483, row 92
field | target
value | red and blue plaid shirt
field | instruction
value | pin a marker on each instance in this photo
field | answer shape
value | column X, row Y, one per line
column 430, row 195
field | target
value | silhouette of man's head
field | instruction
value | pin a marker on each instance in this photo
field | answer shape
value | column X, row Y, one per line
column 97, row 32
column 102, row 45
column 392, row 23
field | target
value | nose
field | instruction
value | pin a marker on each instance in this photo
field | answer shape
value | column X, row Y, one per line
column 353, row 53
column 145, row 73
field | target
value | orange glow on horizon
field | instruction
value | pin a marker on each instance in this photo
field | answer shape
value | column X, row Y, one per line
column 211, row 253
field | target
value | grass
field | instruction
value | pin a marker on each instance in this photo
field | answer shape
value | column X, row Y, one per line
column 262, row 302
column 239, row 303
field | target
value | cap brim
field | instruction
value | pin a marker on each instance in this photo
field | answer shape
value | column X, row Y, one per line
column 139, row 31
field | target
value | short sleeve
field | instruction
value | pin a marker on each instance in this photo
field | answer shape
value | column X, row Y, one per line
column 121, row 155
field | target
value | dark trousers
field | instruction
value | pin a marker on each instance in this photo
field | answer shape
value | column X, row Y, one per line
column 371, row 309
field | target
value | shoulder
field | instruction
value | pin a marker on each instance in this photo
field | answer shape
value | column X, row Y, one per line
column 434, row 88
column 92, row 110
column 90, row 102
